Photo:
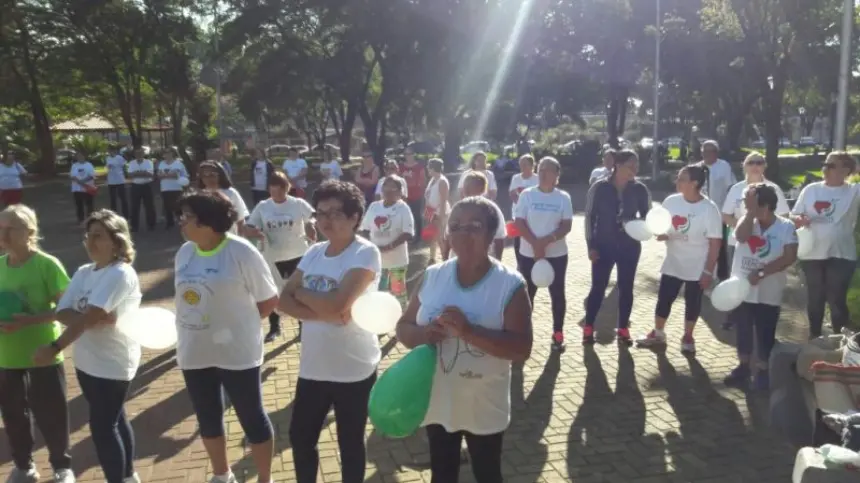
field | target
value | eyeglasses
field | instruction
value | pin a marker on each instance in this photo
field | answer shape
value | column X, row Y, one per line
column 331, row 214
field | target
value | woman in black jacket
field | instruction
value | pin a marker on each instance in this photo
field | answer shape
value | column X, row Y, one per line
column 261, row 171
column 611, row 202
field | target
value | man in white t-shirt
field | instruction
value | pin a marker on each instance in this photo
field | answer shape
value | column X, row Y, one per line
column 116, row 164
column 142, row 174
column 297, row 170
column 720, row 180
column 83, row 176
column 605, row 170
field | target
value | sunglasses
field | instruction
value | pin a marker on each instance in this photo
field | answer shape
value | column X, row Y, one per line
column 831, row 166
column 756, row 162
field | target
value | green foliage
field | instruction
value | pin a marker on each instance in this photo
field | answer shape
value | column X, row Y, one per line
column 94, row 148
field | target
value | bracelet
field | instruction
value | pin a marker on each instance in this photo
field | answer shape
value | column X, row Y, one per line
column 708, row 272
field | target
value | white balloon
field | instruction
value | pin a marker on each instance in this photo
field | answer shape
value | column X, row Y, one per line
column 151, row 327
column 730, row 293
column 376, row 312
column 638, row 230
column 542, row 273
column 805, row 242
column 658, row 220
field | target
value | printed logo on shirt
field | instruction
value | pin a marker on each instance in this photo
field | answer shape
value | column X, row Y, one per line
column 546, row 207
column 275, row 225
column 81, row 304
column 319, row 283
column 759, row 246
column 191, row 297
column 681, row 223
column 824, row 207
column 382, row 223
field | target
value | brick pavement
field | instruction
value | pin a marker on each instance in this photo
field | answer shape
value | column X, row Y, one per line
column 589, row 415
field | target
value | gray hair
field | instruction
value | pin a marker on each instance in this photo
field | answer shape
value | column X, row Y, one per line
column 117, row 227
column 394, row 179
column 710, row 143
column 487, row 209
column 551, row 161
column 26, row 217
column 753, row 156
column 476, row 177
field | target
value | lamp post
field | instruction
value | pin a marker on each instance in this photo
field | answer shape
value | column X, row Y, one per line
column 844, row 66
column 218, row 115
column 655, row 151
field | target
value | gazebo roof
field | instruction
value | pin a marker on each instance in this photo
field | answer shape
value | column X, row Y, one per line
column 91, row 122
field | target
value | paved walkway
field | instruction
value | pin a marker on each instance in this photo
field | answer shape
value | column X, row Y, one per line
column 605, row 414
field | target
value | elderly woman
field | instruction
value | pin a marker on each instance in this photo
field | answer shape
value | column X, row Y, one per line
column 338, row 362
column 478, row 313
column 606, row 167
column 543, row 216
column 479, row 165
column 30, row 390
column 83, row 176
column 474, row 183
column 106, row 360
column 296, row 169
column 261, row 170
column 367, row 177
column 212, row 177
column 391, row 169
column 283, row 224
column 526, row 178
column 11, row 184
column 766, row 248
column 223, row 288
column 829, row 210
column 436, row 206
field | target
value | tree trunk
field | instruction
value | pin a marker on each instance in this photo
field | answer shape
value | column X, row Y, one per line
column 345, row 136
column 451, row 150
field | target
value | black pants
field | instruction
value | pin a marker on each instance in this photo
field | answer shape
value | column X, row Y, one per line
column 625, row 260
column 168, row 204
column 312, row 402
column 667, row 293
column 484, row 450
column 755, row 327
column 117, row 192
column 109, row 426
column 723, row 261
column 258, row 196
column 827, row 283
column 141, row 194
column 557, row 296
column 38, row 393
column 83, row 204
column 285, row 268
column 417, row 209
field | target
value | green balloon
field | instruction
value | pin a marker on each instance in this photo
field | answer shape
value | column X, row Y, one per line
column 400, row 398
column 10, row 304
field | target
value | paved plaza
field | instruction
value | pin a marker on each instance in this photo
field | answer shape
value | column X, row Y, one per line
column 601, row 414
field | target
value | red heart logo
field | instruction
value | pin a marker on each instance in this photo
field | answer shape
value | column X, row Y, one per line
column 820, row 206
column 756, row 242
column 678, row 221
column 380, row 220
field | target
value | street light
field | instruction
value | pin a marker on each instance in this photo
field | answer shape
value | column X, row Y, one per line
column 844, row 65
column 656, row 144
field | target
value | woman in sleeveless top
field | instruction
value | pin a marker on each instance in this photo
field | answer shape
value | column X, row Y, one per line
column 436, row 206
column 367, row 177
column 478, row 314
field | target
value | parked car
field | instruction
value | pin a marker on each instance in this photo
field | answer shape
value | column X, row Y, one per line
column 474, row 146
column 424, row 147
column 64, row 155
column 673, row 141
column 807, row 142
column 758, row 143
column 278, row 150
column 646, row 143
column 127, row 151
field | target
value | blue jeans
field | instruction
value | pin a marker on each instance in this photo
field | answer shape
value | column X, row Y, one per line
column 625, row 259
column 111, row 431
column 755, row 321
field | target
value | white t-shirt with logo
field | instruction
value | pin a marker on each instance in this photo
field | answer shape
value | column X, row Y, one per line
column 491, row 180
column 404, row 193
column 165, row 168
column 216, row 299
column 238, row 205
column 79, row 171
column 832, row 211
column 334, row 352
column 471, row 389
column 261, row 181
column 693, row 226
column 331, row 170
column 734, row 204
column 104, row 351
column 386, row 224
column 520, row 184
column 283, row 224
column 543, row 213
column 720, row 180
column 10, row 176
column 598, row 174
column 115, row 169
column 293, row 168
column 143, row 166
column 761, row 249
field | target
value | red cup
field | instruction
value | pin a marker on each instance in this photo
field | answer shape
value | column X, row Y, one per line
column 429, row 232
column 511, row 229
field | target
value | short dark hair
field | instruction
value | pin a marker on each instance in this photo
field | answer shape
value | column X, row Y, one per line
column 765, row 195
column 279, row 178
column 488, row 211
column 224, row 181
column 698, row 173
column 350, row 196
column 394, row 179
column 211, row 208
column 436, row 164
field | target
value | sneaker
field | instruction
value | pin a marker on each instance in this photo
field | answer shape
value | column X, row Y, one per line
column 230, row 478
column 23, row 476
column 623, row 337
column 272, row 335
column 135, row 478
column 654, row 338
column 587, row 335
column 688, row 345
column 739, row 377
column 64, row 476
column 762, row 380
column 558, row 340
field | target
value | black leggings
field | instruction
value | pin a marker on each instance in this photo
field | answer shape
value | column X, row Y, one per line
column 667, row 293
column 112, row 434
column 556, row 288
column 83, row 204
column 118, row 199
column 484, row 450
column 285, row 268
column 246, row 394
column 168, row 204
column 312, row 402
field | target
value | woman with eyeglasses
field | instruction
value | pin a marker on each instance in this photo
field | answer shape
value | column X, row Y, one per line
column 477, row 312
column 611, row 202
column 106, row 360
column 829, row 210
column 337, row 366
column 211, row 176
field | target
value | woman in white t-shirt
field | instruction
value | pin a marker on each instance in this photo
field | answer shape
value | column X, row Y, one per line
column 543, row 216
column 11, row 184
column 330, row 168
column 173, row 178
column 526, row 178
column 338, row 360
column 283, row 224
column 211, row 176
column 436, row 206
column 223, row 288
column 476, row 311
column 474, row 183
column 766, row 248
column 297, row 170
column 116, row 165
column 604, row 170
column 390, row 225
column 390, row 170
column 692, row 247
column 106, row 360
column 829, row 210
column 83, row 176
column 479, row 164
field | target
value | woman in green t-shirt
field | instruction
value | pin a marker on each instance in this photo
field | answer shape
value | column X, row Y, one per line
column 38, row 280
